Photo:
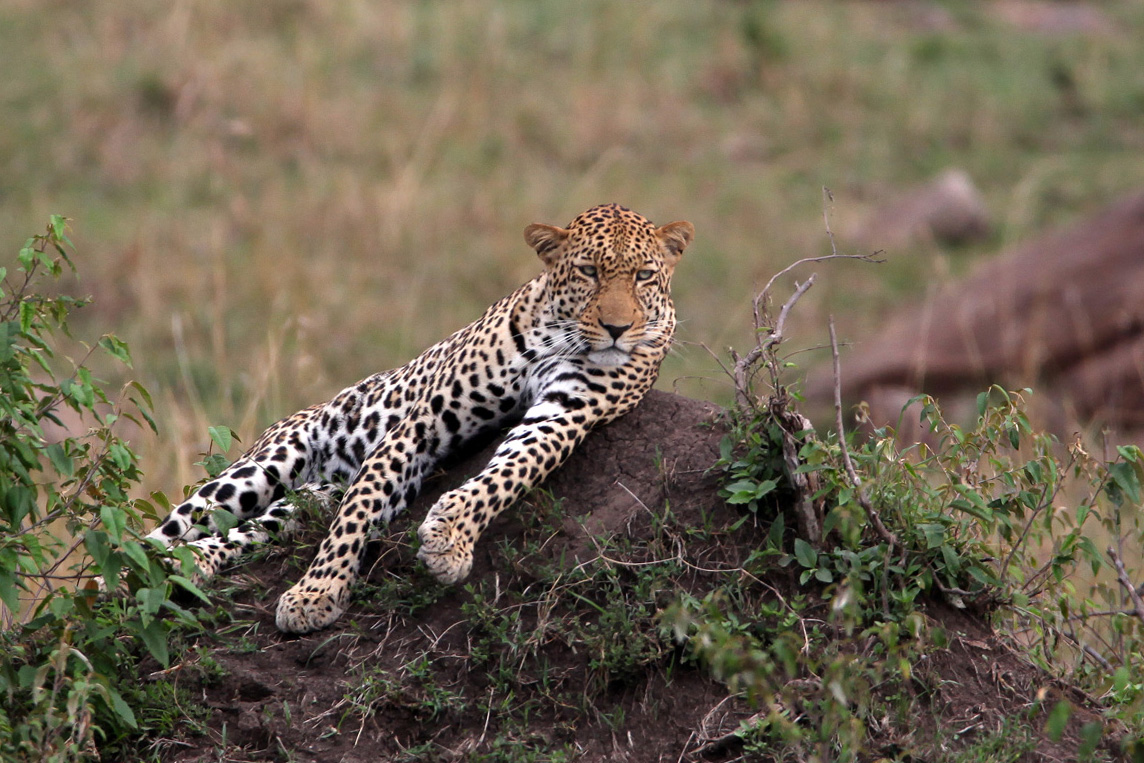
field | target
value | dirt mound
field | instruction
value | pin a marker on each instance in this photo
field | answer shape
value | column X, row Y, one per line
column 553, row 650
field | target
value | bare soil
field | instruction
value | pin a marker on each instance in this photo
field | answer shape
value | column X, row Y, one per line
column 406, row 673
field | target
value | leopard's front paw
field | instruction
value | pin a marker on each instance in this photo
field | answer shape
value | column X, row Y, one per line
column 305, row 608
column 446, row 549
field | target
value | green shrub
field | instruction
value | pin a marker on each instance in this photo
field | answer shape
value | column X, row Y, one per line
column 68, row 529
column 996, row 517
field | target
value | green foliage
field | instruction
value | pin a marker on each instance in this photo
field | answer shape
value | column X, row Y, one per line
column 754, row 469
column 996, row 517
column 68, row 529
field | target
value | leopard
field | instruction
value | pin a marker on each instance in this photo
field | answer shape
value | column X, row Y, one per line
column 571, row 350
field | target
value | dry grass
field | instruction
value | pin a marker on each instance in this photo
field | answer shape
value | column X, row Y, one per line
column 273, row 200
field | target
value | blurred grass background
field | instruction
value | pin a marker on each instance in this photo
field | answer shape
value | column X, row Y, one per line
column 273, row 200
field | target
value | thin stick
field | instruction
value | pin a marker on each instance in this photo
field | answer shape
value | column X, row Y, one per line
column 774, row 335
column 1097, row 657
column 834, row 255
column 762, row 295
column 828, row 197
column 733, row 737
column 744, row 365
column 863, row 501
column 1122, row 575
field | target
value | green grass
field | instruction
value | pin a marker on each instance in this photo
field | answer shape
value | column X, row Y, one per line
column 272, row 202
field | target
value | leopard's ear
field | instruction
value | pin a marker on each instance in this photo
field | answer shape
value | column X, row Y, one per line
column 676, row 237
column 546, row 240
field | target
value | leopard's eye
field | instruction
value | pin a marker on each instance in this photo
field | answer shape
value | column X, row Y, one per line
column 588, row 270
column 644, row 275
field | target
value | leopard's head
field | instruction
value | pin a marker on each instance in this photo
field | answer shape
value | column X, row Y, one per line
column 609, row 280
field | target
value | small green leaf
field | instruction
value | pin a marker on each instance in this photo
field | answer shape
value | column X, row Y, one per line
column 215, row 463
column 121, row 455
column 61, row 605
column 1124, row 477
column 1120, row 679
column 934, row 534
column 775, row 534
column 8, row 595
column 27, row 316
column 134, row 551
column 805, row 553
column 8, row 336
column 222, row 437
column 114, row 521
column 224, row 521
column 764, row 487
column 27, row 255
column 741, row 486
column 19, row 501
column 949, row 556
column 1090, row 734
column 1130, row 453
column 980, row 511
column 121, row 708
column 59, row 459
column 97, row 546
column 1058, row 720
column 187, row 585
column 58, row 226
column 186, row 557
column 116, row 347
column 726, row 446
column 151, row 600
column 154, row 637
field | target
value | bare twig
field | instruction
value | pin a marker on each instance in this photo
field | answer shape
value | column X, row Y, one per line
column 767, row 337
column 1097, row 657
column 948, row 590
column 1126, row 582
column 794, row 426
column 763, row 295
column 796, row 430
column 734, row 736
column 1045, row 501
column 763, row 344
column 863, row 500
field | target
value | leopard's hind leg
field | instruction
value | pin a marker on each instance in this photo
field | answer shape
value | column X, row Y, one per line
column 280, row 461
column 279, row 521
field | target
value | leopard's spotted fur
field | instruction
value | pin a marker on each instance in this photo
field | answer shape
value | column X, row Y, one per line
column 574, row 348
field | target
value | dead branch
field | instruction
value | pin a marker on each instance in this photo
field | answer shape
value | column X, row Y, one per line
column 1097, row 657
column 1126, row 582
column 793, row 425
column 851, row 474
column 764, row 295
column 768, row 338
column 796, row 428
column 745, row 365
column 720, row 744
column 731, row 738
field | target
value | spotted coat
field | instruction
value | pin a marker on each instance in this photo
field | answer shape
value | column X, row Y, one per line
column 575, row 347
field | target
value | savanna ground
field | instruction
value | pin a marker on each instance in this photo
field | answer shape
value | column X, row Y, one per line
column 271, row 201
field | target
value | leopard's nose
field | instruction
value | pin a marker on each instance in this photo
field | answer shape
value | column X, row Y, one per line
column 615, row 331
